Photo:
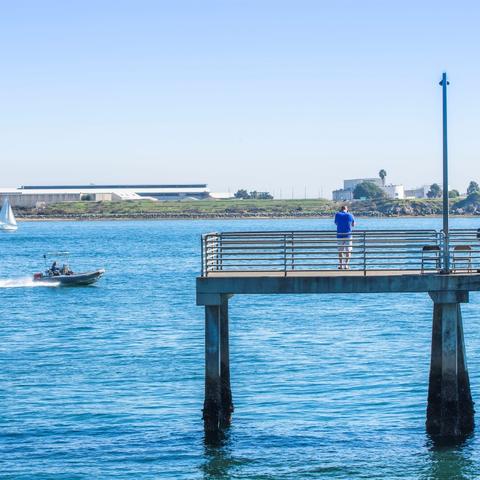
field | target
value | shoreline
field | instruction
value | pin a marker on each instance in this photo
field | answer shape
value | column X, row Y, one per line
column 243, row 210
column 94, row 218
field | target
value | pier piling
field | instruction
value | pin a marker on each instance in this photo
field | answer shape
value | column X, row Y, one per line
column 450, row 409
column 212, row 403
column 218, row 405
column 225, row 392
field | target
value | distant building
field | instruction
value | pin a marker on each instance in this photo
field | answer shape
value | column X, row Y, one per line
column 420, row 192
column 342, row 195
column 394, row 191
column 31, row 195
column 346, row 193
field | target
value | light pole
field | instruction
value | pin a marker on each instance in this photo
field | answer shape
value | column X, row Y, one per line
column 446, row 254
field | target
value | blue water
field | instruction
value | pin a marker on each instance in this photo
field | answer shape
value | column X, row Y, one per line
column 107, row 381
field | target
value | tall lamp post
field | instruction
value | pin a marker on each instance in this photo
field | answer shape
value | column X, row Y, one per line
column 446, row 254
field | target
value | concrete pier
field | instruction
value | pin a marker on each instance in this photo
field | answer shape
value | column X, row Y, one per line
column 450, row 412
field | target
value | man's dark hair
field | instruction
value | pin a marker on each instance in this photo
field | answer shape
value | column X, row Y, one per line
column 343, row 208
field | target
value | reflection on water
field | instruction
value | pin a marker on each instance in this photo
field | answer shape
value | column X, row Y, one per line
column 218, row 457
column 450, row 463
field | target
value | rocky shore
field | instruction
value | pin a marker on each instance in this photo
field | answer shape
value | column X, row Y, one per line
column 237, row 209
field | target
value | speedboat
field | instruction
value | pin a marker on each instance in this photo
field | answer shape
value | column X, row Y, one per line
column 69, row 279
column 65, row 276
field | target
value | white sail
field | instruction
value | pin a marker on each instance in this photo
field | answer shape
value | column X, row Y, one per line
column 7, row 218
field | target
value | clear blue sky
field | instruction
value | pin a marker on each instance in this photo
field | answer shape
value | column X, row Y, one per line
column 263, row 94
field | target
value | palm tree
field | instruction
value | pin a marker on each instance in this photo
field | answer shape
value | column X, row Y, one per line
column 382, row 174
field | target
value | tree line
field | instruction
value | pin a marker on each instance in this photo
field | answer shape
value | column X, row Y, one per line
column 253, row 195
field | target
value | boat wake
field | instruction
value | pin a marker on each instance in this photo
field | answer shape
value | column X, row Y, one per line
column 23, row 282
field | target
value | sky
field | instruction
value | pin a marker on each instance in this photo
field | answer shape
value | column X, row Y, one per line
column 289, row 97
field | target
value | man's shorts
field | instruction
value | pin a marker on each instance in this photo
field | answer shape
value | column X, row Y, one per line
column 345, row 244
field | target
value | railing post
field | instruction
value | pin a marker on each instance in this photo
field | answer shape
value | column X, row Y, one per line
column 285, row 254
column 220, row 252
column 293, row 251
column 446, row 253
column 215, row 253
column 203, row 269
column 209, row 252
column 364, row 254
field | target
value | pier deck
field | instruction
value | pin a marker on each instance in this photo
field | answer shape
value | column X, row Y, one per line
column 210, row 289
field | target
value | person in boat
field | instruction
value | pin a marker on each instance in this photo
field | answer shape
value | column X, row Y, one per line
column 65, row 270
column 54, row 269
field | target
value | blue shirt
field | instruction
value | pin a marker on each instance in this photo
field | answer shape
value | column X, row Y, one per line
column 344, row 222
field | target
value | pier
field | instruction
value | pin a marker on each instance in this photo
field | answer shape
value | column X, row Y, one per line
column 447, row 268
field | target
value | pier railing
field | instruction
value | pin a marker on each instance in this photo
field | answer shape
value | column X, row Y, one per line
column 367, row 250
column 464, row 250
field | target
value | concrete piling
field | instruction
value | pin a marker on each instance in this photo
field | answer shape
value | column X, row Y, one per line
column 218, row 405
column 225, row 389
column 464, row 393
column 450, row 407
column 212, row 403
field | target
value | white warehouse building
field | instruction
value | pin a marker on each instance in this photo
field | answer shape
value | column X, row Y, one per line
column 30, row 196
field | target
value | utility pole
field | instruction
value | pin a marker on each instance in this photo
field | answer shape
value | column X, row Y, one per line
column 446, row 254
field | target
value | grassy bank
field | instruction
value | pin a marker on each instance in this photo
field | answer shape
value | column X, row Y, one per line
column 235, row 209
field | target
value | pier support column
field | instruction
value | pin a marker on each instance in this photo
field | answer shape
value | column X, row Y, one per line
column 212, row 403
column 450, row 409
column 226, row 392
column 218, row 405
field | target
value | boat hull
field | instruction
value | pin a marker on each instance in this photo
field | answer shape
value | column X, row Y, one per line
column 86, row 278
column 8, row 228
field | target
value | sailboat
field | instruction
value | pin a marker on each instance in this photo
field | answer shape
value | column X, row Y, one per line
column 7, row 218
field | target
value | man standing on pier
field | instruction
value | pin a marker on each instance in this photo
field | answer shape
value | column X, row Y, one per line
column 344, row 222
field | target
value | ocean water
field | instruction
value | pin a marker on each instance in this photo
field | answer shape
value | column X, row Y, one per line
column 106, row 381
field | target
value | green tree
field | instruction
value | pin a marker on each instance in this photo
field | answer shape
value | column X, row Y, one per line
column 242, row 193
column 435, row 191
column 382, row 174
column 453, row 193
column 264, row 196
column 368, row 190
column 473, row 188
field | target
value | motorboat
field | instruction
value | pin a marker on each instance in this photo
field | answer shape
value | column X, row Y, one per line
column 64, row 276
column 70, row 279
column 7, row 218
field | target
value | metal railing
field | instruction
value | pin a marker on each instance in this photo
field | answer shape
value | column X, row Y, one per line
column 464, row 250
column 287, row 251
